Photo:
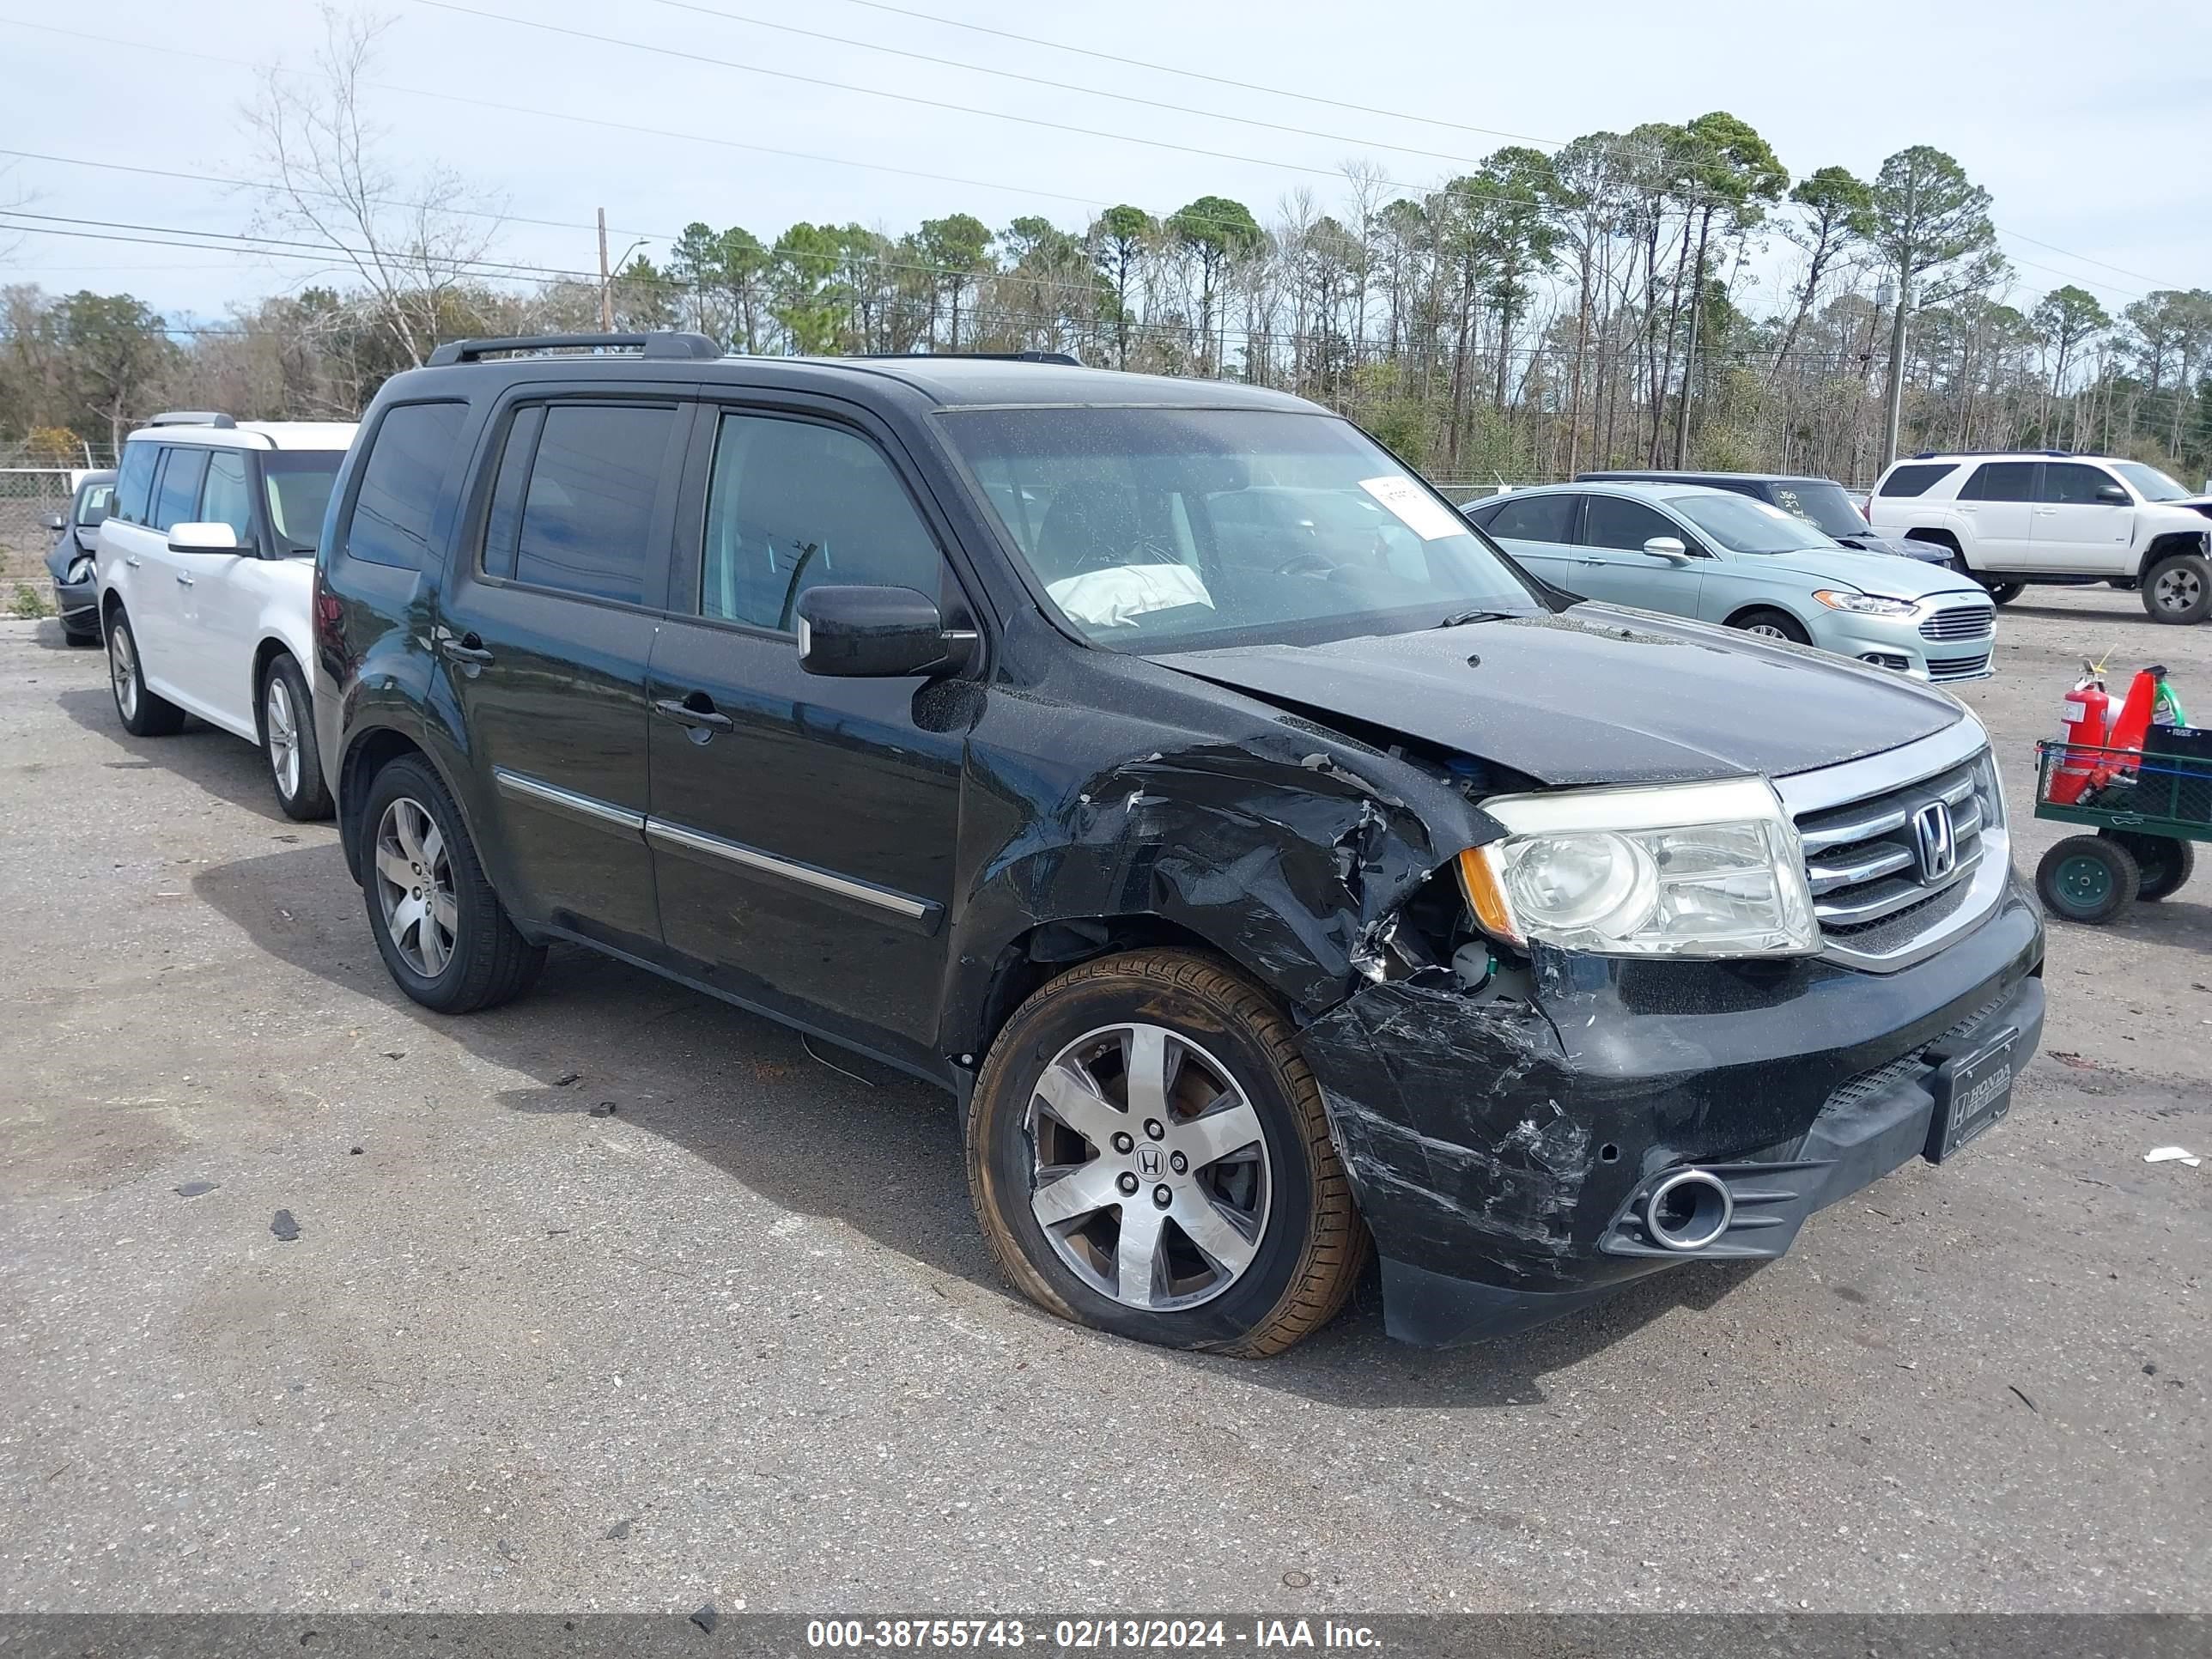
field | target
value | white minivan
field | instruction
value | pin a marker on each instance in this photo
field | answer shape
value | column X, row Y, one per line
column 206, row 571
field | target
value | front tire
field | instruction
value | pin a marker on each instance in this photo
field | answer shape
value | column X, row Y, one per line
column 444, row 935
column 1148, row 1154
column 143, row 713
column 2087, row 879
column 1773, row 625
column 288, row 740
column 2178, row 589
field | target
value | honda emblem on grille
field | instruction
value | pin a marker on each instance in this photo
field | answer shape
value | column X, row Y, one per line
column 1933, row 845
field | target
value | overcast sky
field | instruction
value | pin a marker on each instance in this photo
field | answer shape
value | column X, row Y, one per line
column 2091, row 126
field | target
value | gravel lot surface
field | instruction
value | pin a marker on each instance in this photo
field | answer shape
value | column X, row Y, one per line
column 738, row 1340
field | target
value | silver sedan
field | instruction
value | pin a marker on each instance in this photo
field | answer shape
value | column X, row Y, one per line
column 1718, row 556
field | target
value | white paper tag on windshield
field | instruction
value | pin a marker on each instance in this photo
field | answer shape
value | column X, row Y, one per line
column 1418, row 511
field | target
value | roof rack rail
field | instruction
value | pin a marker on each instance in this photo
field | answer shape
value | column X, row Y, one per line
column 193, row 417
column 2058, row 454
column 664, row 343
column 1066, row 359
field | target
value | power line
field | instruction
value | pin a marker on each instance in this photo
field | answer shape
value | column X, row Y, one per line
column 878, row 166
column 1200, row 74
column 1041, row 81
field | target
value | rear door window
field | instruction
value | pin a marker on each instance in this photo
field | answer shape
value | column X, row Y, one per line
column 577, row 492
column 1532, row 519
column 1913, row 480
column 2001, row 481
column 177, row 498
column 401, row 483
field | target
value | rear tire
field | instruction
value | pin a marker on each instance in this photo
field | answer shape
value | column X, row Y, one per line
column 2087, row 879
column 2165, row 863
column 1258, row 1242
column 2177, row 589
column 287, row 719
column 143, row 713
column 443, row 935
column 2006, row 592
column 1773, row 625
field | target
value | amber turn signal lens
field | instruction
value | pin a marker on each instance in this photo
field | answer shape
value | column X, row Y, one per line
column 1479, row 884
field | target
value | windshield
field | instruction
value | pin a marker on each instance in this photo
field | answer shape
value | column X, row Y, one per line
column 2150, row 483
column 299, row 482
column 1821, row 503
column 1744, row 525
column 1170, row 529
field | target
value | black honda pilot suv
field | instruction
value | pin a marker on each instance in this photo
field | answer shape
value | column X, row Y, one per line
column 1265, row 863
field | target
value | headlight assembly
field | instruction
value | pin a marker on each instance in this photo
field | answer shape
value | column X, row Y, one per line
column 1685, row 870
column 79, row 570
column 1867, row 604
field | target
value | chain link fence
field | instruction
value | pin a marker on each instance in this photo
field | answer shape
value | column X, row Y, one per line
column 34, row 485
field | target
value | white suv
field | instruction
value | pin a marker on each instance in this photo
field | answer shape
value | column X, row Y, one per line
column 2058, row 517
column 206, row 571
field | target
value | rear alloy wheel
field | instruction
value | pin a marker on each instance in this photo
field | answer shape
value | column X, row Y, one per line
column 287, row 737
column 2165, row 863
column 143, row 713
column 443, row 935
column 1774, row 625
column 1149, row 1154
column 2178, row 590
column 2087, row 879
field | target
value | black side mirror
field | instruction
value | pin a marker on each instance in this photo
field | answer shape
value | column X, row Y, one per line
column 2111, row 494
column 878, row 633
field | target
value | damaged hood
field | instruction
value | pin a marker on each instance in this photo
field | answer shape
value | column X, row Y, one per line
column 1595, row 694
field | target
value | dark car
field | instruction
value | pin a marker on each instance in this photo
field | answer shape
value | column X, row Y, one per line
column 69, row 561
column 1820, row 502
column 1255, row 893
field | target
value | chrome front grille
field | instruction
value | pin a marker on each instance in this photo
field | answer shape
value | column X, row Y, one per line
column 1895, row 871
column 1961, row 622
column 1958, row 668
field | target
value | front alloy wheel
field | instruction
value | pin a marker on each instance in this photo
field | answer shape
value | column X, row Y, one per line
column 1148, row 1153
column 2179, row 590
column 282, row 723
column 414, row 887
column 1149, row 1173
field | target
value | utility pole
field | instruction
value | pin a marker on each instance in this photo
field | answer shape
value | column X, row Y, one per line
column 606, row 283
column 1893, row 415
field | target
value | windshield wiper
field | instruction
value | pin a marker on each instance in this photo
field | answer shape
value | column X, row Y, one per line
column 1459, row 616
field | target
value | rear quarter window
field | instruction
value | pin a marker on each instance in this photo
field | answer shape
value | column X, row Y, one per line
column 410, row 457
column 1913, row 480
column 134, row 483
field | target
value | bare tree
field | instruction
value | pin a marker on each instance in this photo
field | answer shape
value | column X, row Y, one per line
column 412, row 243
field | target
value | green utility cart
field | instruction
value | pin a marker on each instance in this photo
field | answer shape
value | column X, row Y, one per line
column 2151, row 807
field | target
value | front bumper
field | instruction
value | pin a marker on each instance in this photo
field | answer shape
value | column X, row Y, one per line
column 1499, row 1147
column 78, row 605
column 1896, row 643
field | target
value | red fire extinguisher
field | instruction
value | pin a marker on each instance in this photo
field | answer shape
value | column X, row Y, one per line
column 2084, row 711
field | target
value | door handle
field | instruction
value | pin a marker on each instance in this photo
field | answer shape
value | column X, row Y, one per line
column 468, row 648
column 131, row 560
column 696, row 711
column 183, row 580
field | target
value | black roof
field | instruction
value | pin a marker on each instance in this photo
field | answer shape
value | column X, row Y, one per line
column 947, row 379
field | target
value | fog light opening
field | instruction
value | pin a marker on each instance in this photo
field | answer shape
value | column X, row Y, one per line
column 1688, row 1210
